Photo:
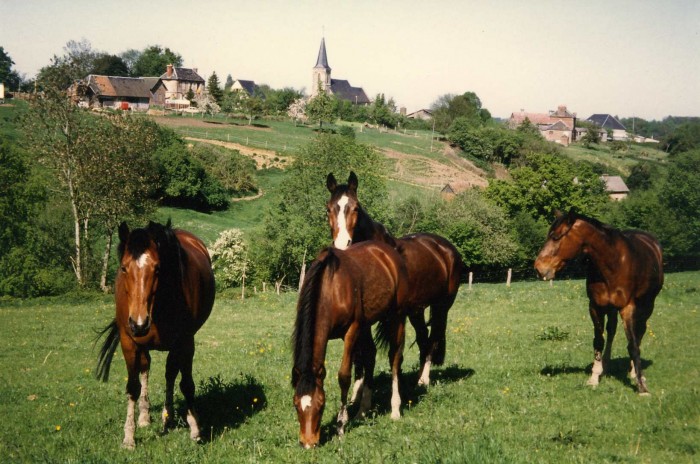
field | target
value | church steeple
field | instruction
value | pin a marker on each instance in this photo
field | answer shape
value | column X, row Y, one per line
column 321, row 72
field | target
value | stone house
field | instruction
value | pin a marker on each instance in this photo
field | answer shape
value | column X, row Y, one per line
column 125, row 93
column 423, row 114
column 176, row 84
column 247, row 88
column 556, row 126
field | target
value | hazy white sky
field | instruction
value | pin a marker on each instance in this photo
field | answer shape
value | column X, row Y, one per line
column 629, row 58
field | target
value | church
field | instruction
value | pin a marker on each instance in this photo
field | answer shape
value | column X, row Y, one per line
column 340, row 88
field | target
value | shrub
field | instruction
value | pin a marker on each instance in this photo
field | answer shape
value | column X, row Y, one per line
column 229, row 258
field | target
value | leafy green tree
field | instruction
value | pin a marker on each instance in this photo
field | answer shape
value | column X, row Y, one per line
column 109, row 65
column 383, row 112
column 214, row 88
column 297, row 226
column 76, row 63
column 546, row 183
column 681, row 196
column 229, row 83
column 685, row 138
column 253, row 106
column 235, row 172
column 642, row 176
column 130, row 57
column 8, row 76
column 154, row 60
column 449, row 107
column 321, row 108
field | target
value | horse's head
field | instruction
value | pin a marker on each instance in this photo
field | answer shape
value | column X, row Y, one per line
column 563, row 243
column 309, row 401
column 342, row 210
column 139, row 271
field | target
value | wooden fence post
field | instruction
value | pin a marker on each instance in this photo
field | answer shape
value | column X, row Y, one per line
column 471, row 278
column 510, row 273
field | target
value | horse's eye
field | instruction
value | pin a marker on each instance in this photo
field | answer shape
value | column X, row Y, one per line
column 356, row 209
column 123, row 269
column 157, row 269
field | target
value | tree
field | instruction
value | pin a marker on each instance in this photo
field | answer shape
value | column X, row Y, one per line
column 214, row 88
column 297, row 110
column 642, row 176
column 681, row 196
column 321, row 108
column 382, row 112
column 229, row 83
column 76, row 63
column 8, row 76
column 109, row 65
column 130, row 57
column 229, row 255
column 101, row 164
column 253, row 106
column 153, row 61
column 684, row 138
column 449, row 107
column 546, row 183
column 297, row 224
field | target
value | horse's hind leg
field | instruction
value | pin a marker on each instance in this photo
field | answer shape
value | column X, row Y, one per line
column 417, row 319
column 369, row 355
column 185, row 357
column 345, row 375
column 395, row 359
column 611, row 329
column 438, row 333
column 598, row 318
column 359, row 376
column 635, row 322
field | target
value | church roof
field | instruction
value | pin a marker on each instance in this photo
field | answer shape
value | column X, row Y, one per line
column 342, row 89
column 322, row 60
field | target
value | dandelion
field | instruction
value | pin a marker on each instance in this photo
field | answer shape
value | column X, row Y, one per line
column 255, row 400
column 58, row 428
column 72, row 405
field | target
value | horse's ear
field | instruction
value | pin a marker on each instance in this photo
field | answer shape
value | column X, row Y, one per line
column 352, row 181
column 557, row 214
column 571, row 217
column 169, row 224
column 123, row 232
column 331, row 183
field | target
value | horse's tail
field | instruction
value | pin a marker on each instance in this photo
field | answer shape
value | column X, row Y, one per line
column 382, row 334
column 305, row 324
column 104, row 360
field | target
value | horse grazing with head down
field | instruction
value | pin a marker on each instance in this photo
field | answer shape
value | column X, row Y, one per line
column 433, row 265
column 164, row 292
column 625, row 274
column 343, row 294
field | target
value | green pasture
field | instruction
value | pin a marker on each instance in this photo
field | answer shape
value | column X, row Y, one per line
column 619, row 162
column 512, row 388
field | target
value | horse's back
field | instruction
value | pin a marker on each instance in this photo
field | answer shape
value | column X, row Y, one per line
column 198, row 278
column 648, row 258
column 433, row 264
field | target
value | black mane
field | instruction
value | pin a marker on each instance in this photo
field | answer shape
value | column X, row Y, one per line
column 169, row 250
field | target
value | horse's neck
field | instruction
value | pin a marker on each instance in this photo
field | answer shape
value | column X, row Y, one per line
column 602, row 249
column 369, row 229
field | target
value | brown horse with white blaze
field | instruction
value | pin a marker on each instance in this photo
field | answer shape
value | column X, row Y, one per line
column 344, row 293
column 624, row 275
column 433, row 265
column 164, row 292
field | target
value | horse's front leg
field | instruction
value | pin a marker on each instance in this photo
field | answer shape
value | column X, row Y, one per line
column 345, row 376
column 598, row 318
column 417, row 318
column 144, row 403
column 395, row 359
column 171, row 370
column 135, row 361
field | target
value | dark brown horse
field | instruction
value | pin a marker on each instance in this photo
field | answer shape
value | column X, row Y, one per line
column 343, row 294
column 625, row 273
column 433, row 264
column 164, row 292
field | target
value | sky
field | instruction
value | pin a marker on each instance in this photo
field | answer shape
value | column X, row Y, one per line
column 627, row 58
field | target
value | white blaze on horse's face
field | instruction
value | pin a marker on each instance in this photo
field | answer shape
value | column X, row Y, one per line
column 343, row 238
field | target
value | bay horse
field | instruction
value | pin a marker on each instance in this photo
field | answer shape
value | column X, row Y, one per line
column 433, row 265
column 624, row 274
column 343, row 294
column 164, row 292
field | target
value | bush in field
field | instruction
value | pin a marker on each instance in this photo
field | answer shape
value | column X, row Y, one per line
column 229, row 258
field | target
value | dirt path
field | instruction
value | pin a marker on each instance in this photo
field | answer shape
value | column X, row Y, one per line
column 262, row 157
column 254, row 197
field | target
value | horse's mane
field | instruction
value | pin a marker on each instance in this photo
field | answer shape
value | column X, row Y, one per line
column 610, row 232
column 305, row 325
column 172, row 259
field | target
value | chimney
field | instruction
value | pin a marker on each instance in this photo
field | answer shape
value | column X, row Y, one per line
column 169, row 71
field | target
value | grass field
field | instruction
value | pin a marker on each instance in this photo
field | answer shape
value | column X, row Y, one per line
column 512, row 389
column 620, row 162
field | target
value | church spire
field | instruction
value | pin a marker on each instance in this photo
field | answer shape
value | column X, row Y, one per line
column 322, row 60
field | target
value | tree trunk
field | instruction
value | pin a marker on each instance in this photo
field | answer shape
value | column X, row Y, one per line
column 105, row 263
column 77, row 262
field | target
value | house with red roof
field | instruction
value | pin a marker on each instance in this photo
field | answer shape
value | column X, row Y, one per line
column 556, row 126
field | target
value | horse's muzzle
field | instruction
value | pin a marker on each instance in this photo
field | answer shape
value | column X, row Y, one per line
column 139, row 330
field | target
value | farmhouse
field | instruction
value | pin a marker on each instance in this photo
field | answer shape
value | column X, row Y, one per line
column 126, row 93
column 615, row 186
column 556, row 126
column 321, row 79
column 610, row 122
column 423, row 114
column 247, row 88
column 177, row 83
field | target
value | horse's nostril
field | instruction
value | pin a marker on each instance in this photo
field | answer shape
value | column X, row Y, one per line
column 349, row 243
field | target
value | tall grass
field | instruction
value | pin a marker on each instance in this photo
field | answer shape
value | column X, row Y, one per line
column 510, row 390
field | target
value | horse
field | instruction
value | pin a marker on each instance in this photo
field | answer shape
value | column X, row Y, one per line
column 624, row 275
column 433, row 264
column 343, row 294
column 164, row 292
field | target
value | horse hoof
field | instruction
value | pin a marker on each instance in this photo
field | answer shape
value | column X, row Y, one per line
column 145, row 422
column 592, row 383
column 395, row 415
column 129, row 444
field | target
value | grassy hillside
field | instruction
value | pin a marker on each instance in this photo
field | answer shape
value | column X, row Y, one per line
column 619, row 162
column 512, row 389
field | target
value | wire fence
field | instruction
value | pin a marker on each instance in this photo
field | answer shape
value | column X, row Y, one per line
column 246, row 141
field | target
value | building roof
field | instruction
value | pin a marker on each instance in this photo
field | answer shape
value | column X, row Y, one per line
column 421, row 111
column 562, row 112
column 540, row 119
column 322, row 60
column 343, row 89
column 559, row 125
column 248, row 86
column 607, row 121
column 111, row 86
column 183, row 74
column 614, row 184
